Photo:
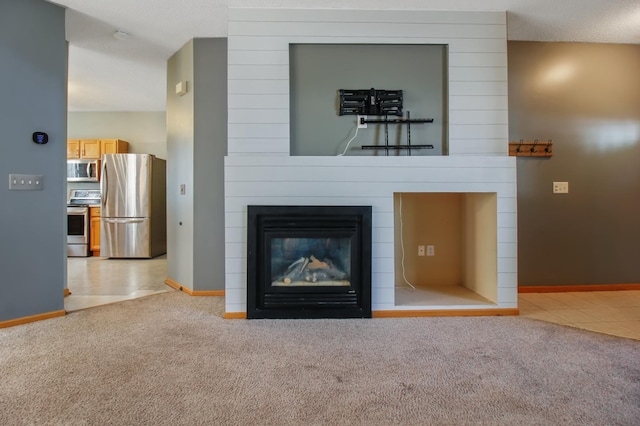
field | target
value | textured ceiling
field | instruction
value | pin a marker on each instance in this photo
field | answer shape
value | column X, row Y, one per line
column 107, row 74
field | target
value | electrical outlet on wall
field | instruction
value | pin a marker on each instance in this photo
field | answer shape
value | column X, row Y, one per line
column 431, row 250
column 360, row 119
column 560, row 187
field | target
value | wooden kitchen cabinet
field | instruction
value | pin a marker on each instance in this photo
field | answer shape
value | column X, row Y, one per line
column 114, row 146
column 83, row 148
column 94, row 148
column 94, row 230
column 73, row 148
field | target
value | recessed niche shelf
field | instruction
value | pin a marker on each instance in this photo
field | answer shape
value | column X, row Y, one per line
column 320, row 125
column 462, row 228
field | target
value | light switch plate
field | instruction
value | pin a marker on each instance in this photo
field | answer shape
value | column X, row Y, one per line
column 18, row 182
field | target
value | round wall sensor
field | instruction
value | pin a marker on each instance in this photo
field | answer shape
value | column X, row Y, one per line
column 121, row 35
column 40, row 138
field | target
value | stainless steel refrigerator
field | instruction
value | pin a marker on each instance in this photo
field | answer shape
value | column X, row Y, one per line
column 133, row 220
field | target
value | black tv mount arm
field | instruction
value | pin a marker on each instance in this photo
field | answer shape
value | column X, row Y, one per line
column 370, row 102
column 386, row 121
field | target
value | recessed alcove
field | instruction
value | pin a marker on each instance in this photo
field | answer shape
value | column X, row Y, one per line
column 318, row 71
column 459, row 264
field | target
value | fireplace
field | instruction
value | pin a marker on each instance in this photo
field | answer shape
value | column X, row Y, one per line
column 309, row 262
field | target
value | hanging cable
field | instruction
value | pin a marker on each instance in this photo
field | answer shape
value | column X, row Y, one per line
column 402, row 246
column 349, row 143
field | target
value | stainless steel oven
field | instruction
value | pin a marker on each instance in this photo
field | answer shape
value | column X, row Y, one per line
column 78, row 220
column 77, row 231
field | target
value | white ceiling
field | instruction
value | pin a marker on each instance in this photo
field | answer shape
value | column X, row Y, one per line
column 107, row 74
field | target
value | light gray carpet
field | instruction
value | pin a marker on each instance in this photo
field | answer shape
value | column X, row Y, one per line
column 170, row 359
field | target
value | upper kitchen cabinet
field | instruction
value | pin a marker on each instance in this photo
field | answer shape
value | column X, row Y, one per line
column 114, row 146
column 81, row 148
column 94, row 148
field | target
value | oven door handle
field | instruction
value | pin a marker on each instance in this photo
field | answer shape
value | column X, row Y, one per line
column 133, row 220
column 77, row 210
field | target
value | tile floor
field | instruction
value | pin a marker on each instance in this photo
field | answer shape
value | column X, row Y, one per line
column 610, row 312
column 97, row 281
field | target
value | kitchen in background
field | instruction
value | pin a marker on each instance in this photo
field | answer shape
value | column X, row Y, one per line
column 96, row 277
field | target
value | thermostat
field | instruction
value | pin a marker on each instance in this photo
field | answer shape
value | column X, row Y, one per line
column 40, row 138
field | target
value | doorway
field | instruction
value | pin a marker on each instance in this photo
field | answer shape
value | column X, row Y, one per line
column 98, row 280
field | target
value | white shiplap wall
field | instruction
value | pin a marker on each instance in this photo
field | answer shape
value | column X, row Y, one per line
column 259, row 170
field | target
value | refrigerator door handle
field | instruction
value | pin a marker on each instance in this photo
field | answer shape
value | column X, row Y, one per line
column 135, row 220
column 105, row 186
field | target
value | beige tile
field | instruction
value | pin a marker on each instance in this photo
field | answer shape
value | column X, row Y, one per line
column 74, row 303
column 571, row 315
column 95, row 281
column 523, row 304
column 545, row 316
column 609, row 314
column 573, row 300
column 622, row 300
column 613, row 328
column 592, row 297
column 631, row 313
column 633, row 326
column 529, row 312
column 544, row 300
column 142, row 293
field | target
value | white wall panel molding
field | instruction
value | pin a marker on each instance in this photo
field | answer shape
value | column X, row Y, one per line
column 479, row 74
column 268, row 72
column 252, row 101
column 485, row 102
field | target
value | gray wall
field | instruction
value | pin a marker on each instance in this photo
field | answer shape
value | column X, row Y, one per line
column 586, row 98
column 180, row 168
column 196, row 146
column 33, row 88
column 210, row 148
column 318, row 71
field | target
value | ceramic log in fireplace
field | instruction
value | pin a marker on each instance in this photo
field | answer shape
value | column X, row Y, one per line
column 309, row 262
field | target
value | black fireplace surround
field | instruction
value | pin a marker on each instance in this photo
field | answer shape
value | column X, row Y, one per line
column 309, row 262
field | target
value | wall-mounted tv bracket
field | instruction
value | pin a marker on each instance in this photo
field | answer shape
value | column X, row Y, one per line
column 386, row 121
column 370, row 102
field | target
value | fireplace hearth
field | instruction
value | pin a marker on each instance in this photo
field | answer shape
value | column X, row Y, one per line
column 309, row 262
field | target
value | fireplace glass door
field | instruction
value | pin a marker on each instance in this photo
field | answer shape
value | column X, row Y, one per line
column 309, row 262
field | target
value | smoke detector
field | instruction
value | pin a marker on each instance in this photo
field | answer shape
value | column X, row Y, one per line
column 121, row 35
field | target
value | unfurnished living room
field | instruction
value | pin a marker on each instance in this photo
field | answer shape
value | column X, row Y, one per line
column 354, row 212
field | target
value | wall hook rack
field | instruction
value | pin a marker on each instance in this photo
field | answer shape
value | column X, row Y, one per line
column 533, row 148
